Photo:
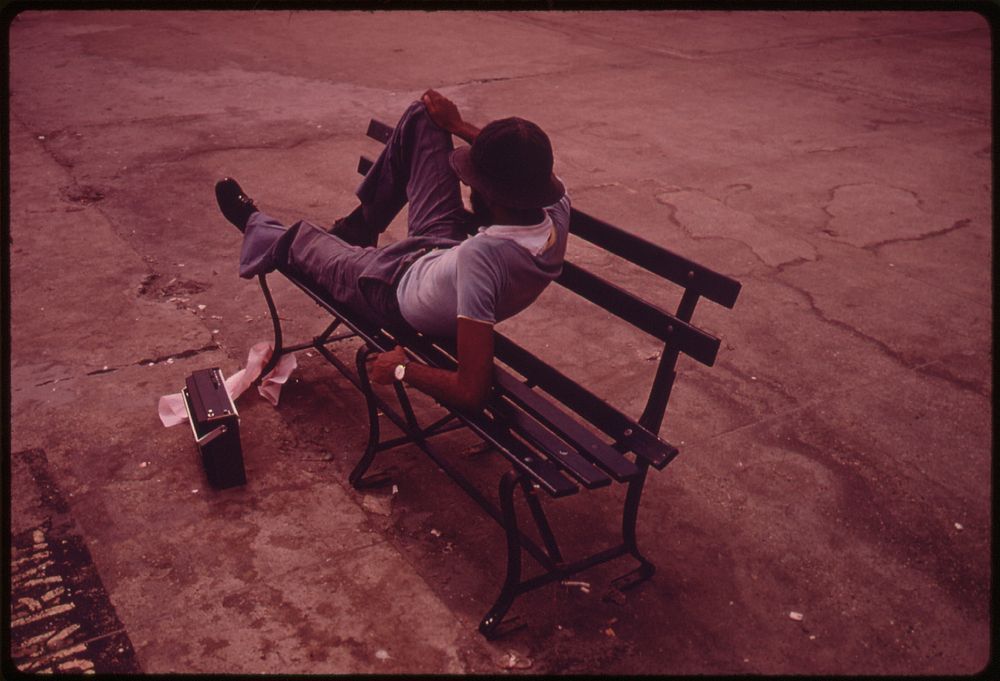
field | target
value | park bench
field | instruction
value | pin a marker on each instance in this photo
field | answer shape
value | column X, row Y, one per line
column 556, row 434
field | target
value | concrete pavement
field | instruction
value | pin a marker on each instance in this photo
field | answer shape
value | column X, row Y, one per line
column 834, row 463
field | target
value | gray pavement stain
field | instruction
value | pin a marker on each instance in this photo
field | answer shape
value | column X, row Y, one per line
column 61, row 620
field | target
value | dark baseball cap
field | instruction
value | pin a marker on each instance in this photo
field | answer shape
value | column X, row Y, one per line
column 510, row 163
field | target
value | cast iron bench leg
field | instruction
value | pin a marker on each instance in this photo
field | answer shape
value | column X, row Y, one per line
column 356, row 478
column 541, row 522
column 491, row 622
column 276, row 323
column 629, row 518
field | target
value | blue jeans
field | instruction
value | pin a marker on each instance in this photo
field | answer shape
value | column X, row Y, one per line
column 413, row 168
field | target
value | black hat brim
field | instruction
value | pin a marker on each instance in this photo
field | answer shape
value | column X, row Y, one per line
column 536, row 197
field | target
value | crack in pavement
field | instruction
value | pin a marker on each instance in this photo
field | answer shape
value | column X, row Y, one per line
column 789, row 249
column 900, row 218
column 875, row 124
column 828, row 87
column 496, row 79
column 105, row 370
column 183, row 354
column 52, row 380
column 885, row 522
column 934, row 368
column 821, row 399
column 959, row 224
column 75, row 130
column 185, row 154
column 836, row 39
column 780, row 269
column 834, row 150
column 145, row 284
column 836, row 188
column 723, row 58
column 832, row 197
column 294, row 143
column 179, row 355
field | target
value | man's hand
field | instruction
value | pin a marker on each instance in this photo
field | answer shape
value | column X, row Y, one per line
column 382, row 368
column 442, row 110
column 445, row 114
column 468, row 387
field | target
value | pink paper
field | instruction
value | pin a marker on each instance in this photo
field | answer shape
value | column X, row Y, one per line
column 171, row 407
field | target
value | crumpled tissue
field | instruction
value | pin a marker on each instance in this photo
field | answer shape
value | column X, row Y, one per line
column 171, row 407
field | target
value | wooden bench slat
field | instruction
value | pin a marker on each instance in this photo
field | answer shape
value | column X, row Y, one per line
column 578, row 439
column 588, row 444
column 689, row 339
column 650, row 447
column 555, row 449
column 656, row 259
column 379, row 131
column 541, row 470
column 537, row 466
column 595, row 410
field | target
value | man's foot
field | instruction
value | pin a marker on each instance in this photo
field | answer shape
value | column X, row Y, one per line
column 235, row 205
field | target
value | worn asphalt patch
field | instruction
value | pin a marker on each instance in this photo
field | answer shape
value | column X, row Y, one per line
column 61, row 618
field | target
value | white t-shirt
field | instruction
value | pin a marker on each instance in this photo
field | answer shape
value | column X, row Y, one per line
column 489, row 277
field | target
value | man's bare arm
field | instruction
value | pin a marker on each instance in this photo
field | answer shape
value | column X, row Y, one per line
column 469, row 386
column 466, row 388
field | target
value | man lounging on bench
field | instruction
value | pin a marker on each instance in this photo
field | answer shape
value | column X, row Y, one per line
column 457, row 272
column 440, row 290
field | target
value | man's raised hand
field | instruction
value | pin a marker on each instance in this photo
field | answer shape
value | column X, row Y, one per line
column 443, row 111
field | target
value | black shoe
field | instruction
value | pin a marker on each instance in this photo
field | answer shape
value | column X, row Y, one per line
column 235, row 205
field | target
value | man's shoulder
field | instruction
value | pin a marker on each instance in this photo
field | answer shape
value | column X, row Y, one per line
column 487, row 248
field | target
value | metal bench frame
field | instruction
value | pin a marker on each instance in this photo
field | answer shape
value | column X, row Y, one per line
column 549, row 448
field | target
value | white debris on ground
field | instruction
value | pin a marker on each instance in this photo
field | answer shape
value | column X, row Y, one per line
column 512, row 660
column 380, row 504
